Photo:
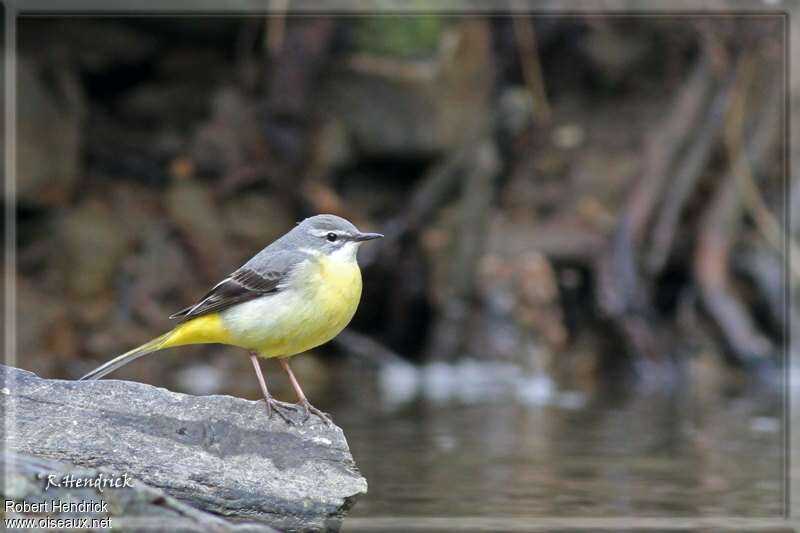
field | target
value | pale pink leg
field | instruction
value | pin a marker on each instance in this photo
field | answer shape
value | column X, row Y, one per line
column 272, row 403
column 304, row 403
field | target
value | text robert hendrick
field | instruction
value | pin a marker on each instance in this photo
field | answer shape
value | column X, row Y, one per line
column 56, row 506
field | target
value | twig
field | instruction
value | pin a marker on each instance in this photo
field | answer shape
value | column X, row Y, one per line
column 531, row 66
column 742, row 168
column 619, row 290
column 245, row 44
column 276, row 26
column 469, row 240
column 686, row 178
column 719, row 227
column 621, row 293
column 436, row 186
column 366, row 347
column 743, row 340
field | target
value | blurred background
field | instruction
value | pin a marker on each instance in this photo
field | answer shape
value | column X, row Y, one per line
column 580, row 305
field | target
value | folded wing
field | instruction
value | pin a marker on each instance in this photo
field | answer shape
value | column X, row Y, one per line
column 253, row 280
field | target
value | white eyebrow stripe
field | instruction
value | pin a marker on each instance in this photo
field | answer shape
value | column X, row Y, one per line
column 324, row 232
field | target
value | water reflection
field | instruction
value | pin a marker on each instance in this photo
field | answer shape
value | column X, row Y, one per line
column 475, row 440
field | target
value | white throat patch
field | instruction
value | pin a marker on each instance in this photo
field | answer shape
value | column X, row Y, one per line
column 347, row 252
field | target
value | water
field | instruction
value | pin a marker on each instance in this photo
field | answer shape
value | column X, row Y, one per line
column 472, row 440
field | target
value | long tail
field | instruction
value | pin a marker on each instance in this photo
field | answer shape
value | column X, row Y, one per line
column 128, row 357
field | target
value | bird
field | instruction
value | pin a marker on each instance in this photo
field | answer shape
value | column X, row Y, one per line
column 294, row 295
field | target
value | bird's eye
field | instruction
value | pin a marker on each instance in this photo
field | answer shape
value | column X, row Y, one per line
column 331, row 237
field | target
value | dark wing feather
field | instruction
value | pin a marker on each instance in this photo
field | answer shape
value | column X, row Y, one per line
column 256, row 281
column 243, row 285
column 260, row 276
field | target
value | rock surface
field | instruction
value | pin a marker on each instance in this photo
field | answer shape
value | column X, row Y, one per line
column 139, row 508
column 218, row 453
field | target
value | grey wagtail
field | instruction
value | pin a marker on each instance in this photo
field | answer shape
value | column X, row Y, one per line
column 295, row 294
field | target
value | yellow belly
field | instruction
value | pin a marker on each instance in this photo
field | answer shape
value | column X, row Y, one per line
column 317, row 305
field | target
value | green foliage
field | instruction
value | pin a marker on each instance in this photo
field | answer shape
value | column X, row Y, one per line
column 400, row 36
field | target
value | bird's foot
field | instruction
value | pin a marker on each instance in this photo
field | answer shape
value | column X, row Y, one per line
column 275, row 406
column 309, row 409
column 286, row 405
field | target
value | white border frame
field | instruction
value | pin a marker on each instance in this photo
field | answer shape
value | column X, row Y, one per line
column 158, row 8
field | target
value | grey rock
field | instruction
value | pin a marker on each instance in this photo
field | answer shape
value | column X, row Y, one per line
column 402, row 107
column 136, row 508
column 218, row 453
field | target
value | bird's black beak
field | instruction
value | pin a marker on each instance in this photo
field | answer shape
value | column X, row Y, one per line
column 361, row 237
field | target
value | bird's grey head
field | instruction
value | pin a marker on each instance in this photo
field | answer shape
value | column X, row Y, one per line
column 329, row 234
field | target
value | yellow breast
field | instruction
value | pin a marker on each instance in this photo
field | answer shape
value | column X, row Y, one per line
column 340, row 287
column 317, row 303
column 333, row 295
column 339, row 291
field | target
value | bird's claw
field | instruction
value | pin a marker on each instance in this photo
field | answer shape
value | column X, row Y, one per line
column 273, row 407
column 309, row 409
column 286, row 405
